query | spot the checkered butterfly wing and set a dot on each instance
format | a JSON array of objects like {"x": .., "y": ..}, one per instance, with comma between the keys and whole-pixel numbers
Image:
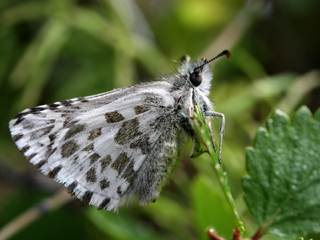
[{"x": 108, "y": 149}]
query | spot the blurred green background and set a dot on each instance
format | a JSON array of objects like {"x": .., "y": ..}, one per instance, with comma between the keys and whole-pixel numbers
[{"x": 52, "y": 50}]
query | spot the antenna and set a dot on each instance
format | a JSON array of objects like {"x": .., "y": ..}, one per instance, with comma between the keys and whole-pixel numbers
[{"x": 223, "y": 53}]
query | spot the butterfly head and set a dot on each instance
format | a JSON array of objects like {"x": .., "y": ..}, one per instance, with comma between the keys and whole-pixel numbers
[{"x": 198, "y": 73}]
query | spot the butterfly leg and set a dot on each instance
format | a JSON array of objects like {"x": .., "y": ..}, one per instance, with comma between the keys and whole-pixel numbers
[
  {"x": 190, "y": 109},
  {"x": 193, "y": 138},
  {"x": 196, "y": 149},
  {"x": 211, "y": 135},
  {"x": 221, "y": 115}
]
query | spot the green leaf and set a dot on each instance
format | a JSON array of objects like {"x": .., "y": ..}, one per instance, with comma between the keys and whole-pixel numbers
[{"x": 283, "y": 189}]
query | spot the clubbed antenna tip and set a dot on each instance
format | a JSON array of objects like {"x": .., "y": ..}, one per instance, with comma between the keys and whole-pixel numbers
[
  {"x": 223, "y": 53},
  {"x": 227, "y": 53}
]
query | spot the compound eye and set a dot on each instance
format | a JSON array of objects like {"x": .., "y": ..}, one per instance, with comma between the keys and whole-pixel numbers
[{"x": 195, "y": 79}]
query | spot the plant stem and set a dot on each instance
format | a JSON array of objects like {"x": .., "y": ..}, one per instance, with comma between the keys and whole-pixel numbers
[
  {"x": 32, "y": 214},
  {"x": 204, "y": 134},
  {"x": 258, "y": 234}
]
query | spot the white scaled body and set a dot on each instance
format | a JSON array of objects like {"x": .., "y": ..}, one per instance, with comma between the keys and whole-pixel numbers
[{"x": 113, "y": 148}]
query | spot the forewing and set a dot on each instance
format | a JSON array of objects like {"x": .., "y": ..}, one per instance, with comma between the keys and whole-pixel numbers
[{"x": 97, "y": 146}]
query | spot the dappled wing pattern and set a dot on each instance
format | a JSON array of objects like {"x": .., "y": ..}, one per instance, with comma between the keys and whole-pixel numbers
[{"x": 101, "y": 147}]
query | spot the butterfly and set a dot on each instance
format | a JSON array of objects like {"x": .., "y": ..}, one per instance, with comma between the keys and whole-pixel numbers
[{"x": 118, "y": 147}]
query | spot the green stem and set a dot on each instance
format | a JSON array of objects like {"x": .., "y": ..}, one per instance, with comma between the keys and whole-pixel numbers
[{"x": 204, "y": 134}]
